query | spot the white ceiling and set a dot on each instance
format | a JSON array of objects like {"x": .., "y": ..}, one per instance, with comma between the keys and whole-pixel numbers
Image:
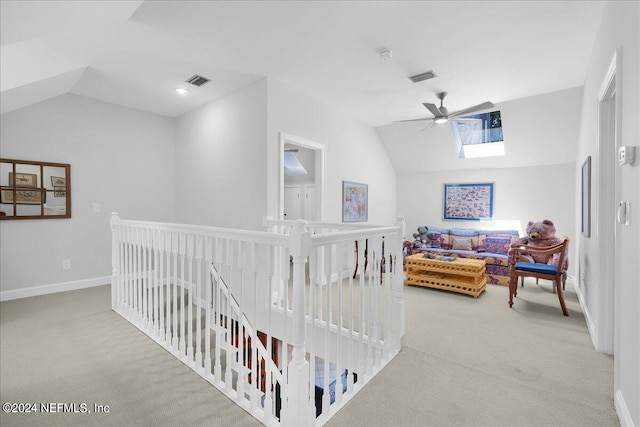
[{"x": 135, "y": 53}]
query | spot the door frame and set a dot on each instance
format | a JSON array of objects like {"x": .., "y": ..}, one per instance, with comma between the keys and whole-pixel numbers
[
  {"x": 286, "y": 138},
  {"x": 609, "y": 135}
]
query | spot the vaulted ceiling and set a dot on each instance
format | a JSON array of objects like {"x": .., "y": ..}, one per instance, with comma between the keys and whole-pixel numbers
[{"x": 136, "y": 53}]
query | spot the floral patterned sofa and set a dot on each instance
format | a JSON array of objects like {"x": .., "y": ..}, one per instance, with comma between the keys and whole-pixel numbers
[{"x": 492, "y": 246}]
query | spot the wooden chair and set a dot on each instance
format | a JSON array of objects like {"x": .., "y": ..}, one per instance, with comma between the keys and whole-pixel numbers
[{"x": 540, "y": 271}]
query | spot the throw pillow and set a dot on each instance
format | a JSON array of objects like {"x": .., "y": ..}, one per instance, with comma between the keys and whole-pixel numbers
[
  {"x": 462, "y": 243},
  {"x": 497, "y": 245},
  {"x": 436, "y": 240}
]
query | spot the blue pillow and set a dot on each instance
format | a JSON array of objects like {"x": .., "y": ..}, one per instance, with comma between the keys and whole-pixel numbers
[{"x": 497, "y": 245}]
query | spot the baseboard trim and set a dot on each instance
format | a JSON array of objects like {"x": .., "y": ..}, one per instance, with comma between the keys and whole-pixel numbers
[
  {"x": 591, "y": 326},
  {"x": 53, "y": 288},
  {"x": 622, "y": 410}
]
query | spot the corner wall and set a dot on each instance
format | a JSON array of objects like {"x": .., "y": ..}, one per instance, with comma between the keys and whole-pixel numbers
[
  {"x": 120, "y": 158},
  {"x": 619, "y": 29},
  {"x": 221, "y": 173}
]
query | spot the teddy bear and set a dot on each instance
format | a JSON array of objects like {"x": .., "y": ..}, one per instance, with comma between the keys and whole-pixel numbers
[
  {"x": 422, "y": 239},
  {"x": 541, "y": 235}
]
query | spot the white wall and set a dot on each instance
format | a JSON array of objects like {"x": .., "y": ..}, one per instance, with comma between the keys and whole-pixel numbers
[
  {"x": 619, "y": 29},
  {"x": 353, "y": 153},
  {"x": 520, "y": 194},
  {"x": 120, "y": 157},
  {"x": 221, "y": 173}
]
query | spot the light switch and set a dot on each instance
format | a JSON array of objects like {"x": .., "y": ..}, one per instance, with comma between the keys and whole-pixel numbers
[{"x": 96, "y": 207}]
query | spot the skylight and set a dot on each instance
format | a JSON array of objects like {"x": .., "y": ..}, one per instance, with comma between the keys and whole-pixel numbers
[
  {"x": 292, "y": 165},
  {"x": 480, "y": 135}
]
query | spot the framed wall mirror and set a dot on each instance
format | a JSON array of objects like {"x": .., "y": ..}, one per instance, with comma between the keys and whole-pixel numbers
[{"x": 34, "y": 190}]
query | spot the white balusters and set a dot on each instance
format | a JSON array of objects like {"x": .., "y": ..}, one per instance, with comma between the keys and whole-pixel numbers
[
  {"x": 208, "y": 254},
  {"x": 174, "y": 298},
  {"x": 178, "y": 282}
]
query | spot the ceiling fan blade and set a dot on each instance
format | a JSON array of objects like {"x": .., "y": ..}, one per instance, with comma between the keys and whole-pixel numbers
[
  {"x": 412, "y": 120},
  {"x": 434, "y": 110},
  {"x": 429, "y": 126},
  {"x": 479, "y": 107},
  {"x": 463, "y": 119}
]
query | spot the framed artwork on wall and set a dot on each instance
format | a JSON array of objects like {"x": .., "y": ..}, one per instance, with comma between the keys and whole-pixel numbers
[
  {"x": 58, "y": 181},
  {"x": 25, "y": 192},
  {"x": 24, "y": 179},
  {"x": 468, "y": 202},
  {"x": 23, "y": 196},
  {"x": 355, "y": 202},
  {"x": 586, "y": 197}
]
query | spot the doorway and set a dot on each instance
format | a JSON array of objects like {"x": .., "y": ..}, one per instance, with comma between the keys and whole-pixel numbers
[{"x": 302, "y": 195}]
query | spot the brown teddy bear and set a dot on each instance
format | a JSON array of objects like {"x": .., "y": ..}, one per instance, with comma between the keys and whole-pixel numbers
[{"x": 541, "y": 235}]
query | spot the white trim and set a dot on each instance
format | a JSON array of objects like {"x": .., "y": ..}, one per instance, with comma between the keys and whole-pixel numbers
[
  {"x": 624, "y": 416},
  {"x": 591, "y": 326},
  {"x": 604, "y": 308},
  {"x": 34, "y": 291}
]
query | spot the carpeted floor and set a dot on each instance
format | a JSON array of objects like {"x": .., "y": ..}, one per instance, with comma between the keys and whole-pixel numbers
[{"x": 464, "y": 362}]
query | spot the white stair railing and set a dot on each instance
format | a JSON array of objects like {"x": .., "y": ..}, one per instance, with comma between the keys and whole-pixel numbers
[{"x": 277, "y": 320}]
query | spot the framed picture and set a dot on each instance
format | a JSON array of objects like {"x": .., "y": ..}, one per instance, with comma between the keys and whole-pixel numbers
[
  {"x": 24, "y": 179},
  {"x": 58, "y": 181},
  {"x": 355, "y": 202},
  {"x": 586, "y": 197},
  {"x": 24, "y": 196},
  {"x": 469, "y": 202},
  {"x": 60, "y": 192}
]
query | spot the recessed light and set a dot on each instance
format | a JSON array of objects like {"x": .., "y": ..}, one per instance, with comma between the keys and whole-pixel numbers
[{"x": 182, "y": 91}]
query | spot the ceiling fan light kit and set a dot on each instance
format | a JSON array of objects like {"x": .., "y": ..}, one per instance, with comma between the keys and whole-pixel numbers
[{"x": 441, "y": 114}]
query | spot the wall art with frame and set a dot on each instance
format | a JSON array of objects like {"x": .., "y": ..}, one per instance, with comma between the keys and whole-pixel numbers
[
  {"x": 355, "y": 202},
  {"x": 586, "y": 197},
  {"x": 468, "y": 202}
]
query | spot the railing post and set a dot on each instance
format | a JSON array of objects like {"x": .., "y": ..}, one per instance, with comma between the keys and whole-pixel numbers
[
  {"x": 298, "y": 410},
  {"x": 115, "y": 261},
  {"x": 397, "y": 325}
]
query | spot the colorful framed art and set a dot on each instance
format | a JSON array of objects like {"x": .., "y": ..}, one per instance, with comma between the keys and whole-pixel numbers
[{"x": 468, "y": 202}]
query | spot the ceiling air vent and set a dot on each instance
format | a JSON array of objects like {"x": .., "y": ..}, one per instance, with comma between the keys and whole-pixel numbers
[
  {"x": 424, "y": 76},
  {"x": 197, "y": 80}
]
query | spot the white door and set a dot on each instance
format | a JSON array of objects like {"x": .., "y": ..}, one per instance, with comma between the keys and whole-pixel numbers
[
  {"x": 310, "y": 198},
  {"x": 292, "y": 202}
]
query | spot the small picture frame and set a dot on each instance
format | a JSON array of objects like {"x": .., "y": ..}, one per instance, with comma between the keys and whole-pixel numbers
[
  {"x": 355, "y": 202},
  {"x": 59, "y": 192},
  {"x": 23, "y": 179},
  {"x": 58, "y": 181},
  {"x": 586, "y": 197},
  {"x": 23, "y": 196}
]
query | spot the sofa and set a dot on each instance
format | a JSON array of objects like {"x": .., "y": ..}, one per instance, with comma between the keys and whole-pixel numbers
[{"x": 492, "y": 246}]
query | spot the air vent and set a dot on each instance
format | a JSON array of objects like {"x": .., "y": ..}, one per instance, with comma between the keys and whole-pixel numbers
[
  {"x": 424, "y": 76},
  {"x": 197, "y": 80}
]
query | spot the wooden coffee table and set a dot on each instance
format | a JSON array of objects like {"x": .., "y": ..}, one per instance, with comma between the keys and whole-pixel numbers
[{"x": 462, "y": 275}]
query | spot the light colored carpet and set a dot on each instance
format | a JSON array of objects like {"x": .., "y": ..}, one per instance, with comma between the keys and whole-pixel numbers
[{"x": 464, "y": 362}]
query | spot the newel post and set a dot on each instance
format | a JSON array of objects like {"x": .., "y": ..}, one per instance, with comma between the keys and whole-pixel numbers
[
  {"x": 298, "y": 410},
  {"x": 115, "y": 257}
]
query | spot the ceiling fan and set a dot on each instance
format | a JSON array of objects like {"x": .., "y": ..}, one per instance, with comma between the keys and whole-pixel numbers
[{"x": 441, "y": 115}]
